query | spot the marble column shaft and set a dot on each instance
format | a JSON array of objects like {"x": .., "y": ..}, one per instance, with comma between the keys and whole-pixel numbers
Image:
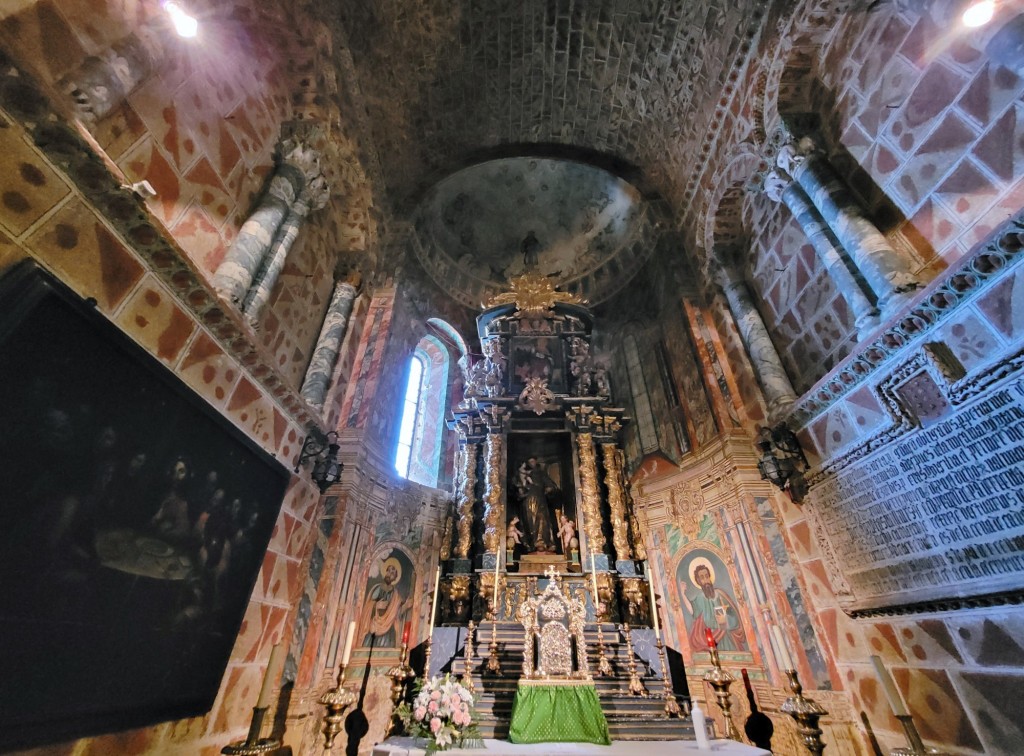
[
  {"x": 596, "y": 542},
  {"x": 613, "y": 482},
  {"x": 494, "y": 512},
  {"x": 882, "y": 267},
  {"x": 464, "y": 503},
  {"x": 775, "y": 383},
  {"x": 312, "y": 197},
  {"x": 328, "y": 345},
  {"x": 864, "y": 312}
]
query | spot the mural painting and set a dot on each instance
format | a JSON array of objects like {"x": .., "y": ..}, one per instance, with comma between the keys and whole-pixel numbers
[
  {"x": 709, "y": 602},
  {"x": 388, "y": 601}
]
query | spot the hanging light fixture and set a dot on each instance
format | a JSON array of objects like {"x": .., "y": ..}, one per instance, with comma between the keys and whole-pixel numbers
[
  {"x": 782, "y": 461},
  {"x": 184, "y": 24},
  {"x": 324, "y": 451}
]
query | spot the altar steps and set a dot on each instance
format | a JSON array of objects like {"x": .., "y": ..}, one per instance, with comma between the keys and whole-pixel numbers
[{"x": 629, "y": 717}]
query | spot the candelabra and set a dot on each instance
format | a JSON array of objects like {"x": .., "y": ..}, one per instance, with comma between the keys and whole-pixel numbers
[
  {"x": 720, "y": 680},
  {"x": 805, "y": 713},
  {"x": 604, "y": 668},
  {"x": 426, "y": 659},
  {"x": 493, "y": 665},
  {"x": 635, "y": 686},
  {"x": 400, "y": 675},
  {"x": 915, "y": 746},
  {"x": 253, "y": 745},
  {"x": 336, "y": 700},
  {"x": 467, "y": 675},
  {"x": 671, "y": 704}
]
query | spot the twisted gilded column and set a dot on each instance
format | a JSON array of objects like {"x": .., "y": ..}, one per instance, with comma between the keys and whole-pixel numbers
[
  {"x": 328, "y": 345},
  {"x": 616, "y": 502},
  {"x": 591, "y": 496},
  {"x": 883, "y": 268},
  {"x": 234, "y": 276},
  {"x": 494, "y": 518},
  {"x": 464, "y": 503},
  {"x": 780, "y": 187},
  {"x": 775, "y": 383},
  {"x": 312, "y": 197}
]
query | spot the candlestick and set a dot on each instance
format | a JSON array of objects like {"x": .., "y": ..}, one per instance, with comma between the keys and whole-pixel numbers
[
  {"x": 336, "y": 700},
  {"x": 720, "y": 680},
  {"x": 635, "y": 686},
  {"x": 710, "y": 637},
  {"x": 805, "y": 712},
  {"x": 785, "y": 660},
  {"x": 347, "y": 653},
  {"x": 270, "y": 678},
  {"x": 671, "y": 705},
  {"x": 654, "y": 602},
  {"x": 889, "y": 688}
]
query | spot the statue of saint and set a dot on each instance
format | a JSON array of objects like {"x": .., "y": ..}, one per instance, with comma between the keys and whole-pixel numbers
[{"x": 534, "y": 486}]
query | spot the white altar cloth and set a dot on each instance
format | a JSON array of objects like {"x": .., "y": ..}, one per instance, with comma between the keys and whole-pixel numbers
[{"x": 407, "y": 747}]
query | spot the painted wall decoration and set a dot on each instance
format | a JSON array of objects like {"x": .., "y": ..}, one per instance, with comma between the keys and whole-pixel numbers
[
  {"x": 709, "y": 601},
  {"x": 135, "y": 522},
  {"x": 388, "y": 602}
]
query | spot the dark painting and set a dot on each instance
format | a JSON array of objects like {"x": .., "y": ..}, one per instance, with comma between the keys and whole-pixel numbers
[
  {"x": 135, "y": 520},
  {"x": 540, "y": 490}
]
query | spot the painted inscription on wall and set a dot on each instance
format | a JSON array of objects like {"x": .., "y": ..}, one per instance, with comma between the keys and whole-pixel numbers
[{"x": 937, "y": 514}]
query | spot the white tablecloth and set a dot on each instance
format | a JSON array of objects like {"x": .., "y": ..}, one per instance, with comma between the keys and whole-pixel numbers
[{"x": 407, "y": 747}]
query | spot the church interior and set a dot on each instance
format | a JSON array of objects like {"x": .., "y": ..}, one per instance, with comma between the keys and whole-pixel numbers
[{"x": 350, "y": 332}]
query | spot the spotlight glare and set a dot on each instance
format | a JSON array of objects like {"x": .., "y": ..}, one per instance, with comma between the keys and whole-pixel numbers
[
  {"x": 184, "y": 24},
  {"x": 979, "y": 13}
]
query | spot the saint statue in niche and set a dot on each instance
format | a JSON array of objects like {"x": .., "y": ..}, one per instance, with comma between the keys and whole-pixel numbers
[{"x": 535, "y": 489}]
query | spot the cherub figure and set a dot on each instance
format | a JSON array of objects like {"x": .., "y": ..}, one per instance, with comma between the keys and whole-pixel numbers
[
  {"x": 514, "y": 534},
  {"x": 567, "y": 534}
]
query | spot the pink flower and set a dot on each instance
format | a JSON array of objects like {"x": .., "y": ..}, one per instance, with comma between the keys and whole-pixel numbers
[
  {"x": 420, "y": 713},
  {"x": 432, "y": 707},
  {"x": 435, "y": 695},
  {"x": 435, "y": 725}
]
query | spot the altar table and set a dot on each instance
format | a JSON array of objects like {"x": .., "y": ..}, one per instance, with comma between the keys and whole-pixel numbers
[
  {"x": 557, "y": 711},
  {"x": 409, "y": 747}
]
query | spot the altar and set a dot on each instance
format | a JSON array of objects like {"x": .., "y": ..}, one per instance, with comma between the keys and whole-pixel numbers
[
  {"x": 558, "y": 711},
  {"x": 409, "y": 747}
]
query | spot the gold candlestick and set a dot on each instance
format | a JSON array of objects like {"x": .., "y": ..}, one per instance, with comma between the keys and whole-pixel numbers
[
  {"x": 720, "y": 680},
  {"x": 400, "y": 674},
  {"x": 671, "y": 704},
  {"x": 336, "y": 700},
  {"x": 253, "y": 745},
  {"x": 604, "y": 668},
  {"x": 493, "y": 665},
  {"x": 805, "y": 713},
  {"x": 426, "y": 660},
  {"x": 635, "y": 686},
  {"x": 467, "y": 675}
]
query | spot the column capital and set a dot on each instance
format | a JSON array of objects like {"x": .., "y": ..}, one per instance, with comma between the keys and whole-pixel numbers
[
  {"x": 297, "y": 153},
  {"x": 776, "y": 181},
  {"x": 729, "y": 277},
  {"x": 313, "y": 196},
  {"x": 794, "y": 153}
]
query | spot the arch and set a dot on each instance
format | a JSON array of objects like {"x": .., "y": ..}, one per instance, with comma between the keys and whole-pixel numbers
[
  {"x": 421, "y": 435},
  {"x": 723, "y": 223},
  {"x": 448, "y": 332}
]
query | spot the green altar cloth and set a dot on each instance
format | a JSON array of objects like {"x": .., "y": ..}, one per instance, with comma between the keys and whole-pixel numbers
[{"x": 557, "y": 712}]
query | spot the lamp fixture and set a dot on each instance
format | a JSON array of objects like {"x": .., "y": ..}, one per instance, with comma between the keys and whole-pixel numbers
[
  {"x": 978, "y": 13},
  {"x": 782, "y": 461},
  {"x": 324, "y": 451},
  {"x": 186, "y": 25}
]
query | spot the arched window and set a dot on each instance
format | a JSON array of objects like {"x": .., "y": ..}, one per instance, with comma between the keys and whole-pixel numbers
[{"x": 410, "y": 411}]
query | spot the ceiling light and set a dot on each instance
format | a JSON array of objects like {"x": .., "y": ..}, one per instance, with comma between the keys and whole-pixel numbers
[
  {"x": 184, "y": 24},
  {"x": 979, "y": 13}
]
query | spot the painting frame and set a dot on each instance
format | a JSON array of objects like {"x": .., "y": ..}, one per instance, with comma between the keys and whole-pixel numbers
[{"x": 137, "y": 519}]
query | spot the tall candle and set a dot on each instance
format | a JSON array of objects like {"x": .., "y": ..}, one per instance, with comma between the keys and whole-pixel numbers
[
  {"x": 654, "y": 603},
  {"x": 347, "y": 653},
  {"x": 405, "y": 632},
  {"x": 593, "y": 578},
  {"x": 497, "y": 562},
  {"x": 889, "y": 687},
  {"x": 270, "y": 678},
  {"x": 710, "y": 638},
  {"x": 785, "y": 660},
  {"x": 433, "y": 603}
]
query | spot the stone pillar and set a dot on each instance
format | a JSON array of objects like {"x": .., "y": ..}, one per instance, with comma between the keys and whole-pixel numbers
[
  {"x": 465, "y": 486},
  {"x": 332, "y": 334},
  {"x": 616, "y": 503},
  {"x": 494, "y": 512},
  {"x": 775, "y": 383},
  {"x": 780, "y": 187},
  {"x": 235, "y": 275},
  {"x": 884, "y": 269},
  {"x": 313, "y": 196},
  {"x": 591, "y": 497}
]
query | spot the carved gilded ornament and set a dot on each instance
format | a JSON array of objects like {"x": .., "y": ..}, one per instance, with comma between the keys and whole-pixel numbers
[
  {"x": 493, "y": 510},
  {"x": 616, "y": 502},
  {"x": 486, "y": 592},
  {"x": 466, "y": 486},
  {"x": 537, "y": 396},
  {"x": 446, "y": 539},
  {"x": 686, "y": 508},
  {"x": 533, "y": 295},
  {"x": 590, "y": 494},
  {"x": 554, "y": 618}
]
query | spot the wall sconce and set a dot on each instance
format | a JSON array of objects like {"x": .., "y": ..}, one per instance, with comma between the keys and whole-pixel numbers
[
  {"x": 782, "y": 461},
  {"x": 324, "y": 450}
]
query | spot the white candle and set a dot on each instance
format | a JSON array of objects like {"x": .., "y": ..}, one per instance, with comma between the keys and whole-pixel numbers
[
  {"x": 593, "y": 578},
  {"x": 889, "y": 687},
  {"x": 497, "y": 562},
  {"x": 347, "y": 653},
  {"x": 654, "y": 602},
  {"x": 433, "y": 604},
  {"x": 785, "y": 660},
  {"x": 274, "y": 668}
]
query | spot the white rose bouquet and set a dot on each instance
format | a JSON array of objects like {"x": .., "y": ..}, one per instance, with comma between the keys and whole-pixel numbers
[{"x": 442, "y": 713}]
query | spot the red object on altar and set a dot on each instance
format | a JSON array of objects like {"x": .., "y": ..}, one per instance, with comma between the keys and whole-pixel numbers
[
  {"x": 711, "y": 638},
  {"x": 405, "y": 633}
]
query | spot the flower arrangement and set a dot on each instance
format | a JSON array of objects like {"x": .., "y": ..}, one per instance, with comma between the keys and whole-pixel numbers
[{"x": 442, "y": 713}]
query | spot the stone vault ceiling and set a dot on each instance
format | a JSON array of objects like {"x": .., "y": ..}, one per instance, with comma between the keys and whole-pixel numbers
[{"x": 447, "y": 83}]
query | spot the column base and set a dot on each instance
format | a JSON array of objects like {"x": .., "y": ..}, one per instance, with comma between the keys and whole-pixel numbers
[
  {"x": 488, "y": 561},
  {"x": 461, "y": 566},
  {"x": 626, "y": 567},
  {"x": 601, "y": 562}
]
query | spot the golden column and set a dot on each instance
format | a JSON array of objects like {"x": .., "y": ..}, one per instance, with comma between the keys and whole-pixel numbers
[
  {"x": 467, "y": 483},
  {"x": 616, "y": 501},
  {"x": 493, "y": 515},
  {"x": 591, "y": 496}
]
